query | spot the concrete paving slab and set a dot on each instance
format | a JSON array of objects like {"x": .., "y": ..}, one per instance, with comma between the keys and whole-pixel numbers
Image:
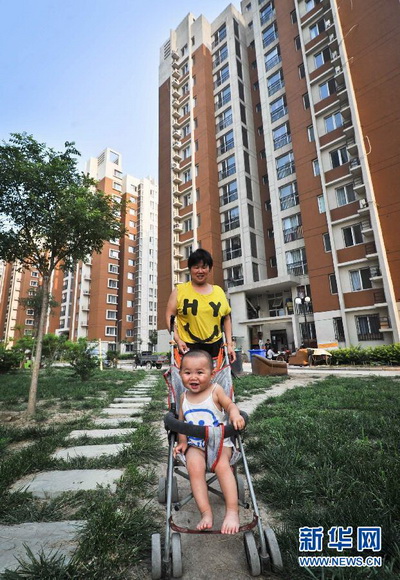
[
  {"x": 90, "y": 451},
  {"x": 46, "y": 537},
  {"x": 114, "y": 421},
  {"x": 48, "y": 484},
  {"x": 137, "y": 405},
  {"x": 132, "y": 400},
  {"x": 122, "y": 412},
  {"x": 100, "y": 433}
]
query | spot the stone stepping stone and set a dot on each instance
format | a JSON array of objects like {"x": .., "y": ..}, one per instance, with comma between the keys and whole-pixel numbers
[
  {"x": 122, "y": 412},
  {"x": 100, "y": 433},
  {"x": 46, "y": 537},
  {"x": 49, "y": 484},
  {"x": 136, "y": 405},
  {"x": 90, "y": 451},
  {"x": 131, "y": 400},
  {"x": 113, "y": 421}
]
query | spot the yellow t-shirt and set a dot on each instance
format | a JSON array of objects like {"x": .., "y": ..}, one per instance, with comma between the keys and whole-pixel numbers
[{"x": 199, "y": 315}]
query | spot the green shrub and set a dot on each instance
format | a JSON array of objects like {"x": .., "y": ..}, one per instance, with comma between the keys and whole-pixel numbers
[
  {"x": 9, "y": 359},
  {"x": 79, "y": 356},
  {"x": 386, "y": 354}
]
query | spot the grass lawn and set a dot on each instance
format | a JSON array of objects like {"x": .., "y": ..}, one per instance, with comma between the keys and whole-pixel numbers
[
  {"x": 116, "y": 538},
  {"x": 328, "y": 455}
]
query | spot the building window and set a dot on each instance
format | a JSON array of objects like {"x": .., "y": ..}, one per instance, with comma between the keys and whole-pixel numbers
[
  {"x": 317, "y": 28},
  {"x": 234, "y": 276},
  {"x": 345, "y": 194},
  {"x": 269, "y": 35},
  {"x": 293, "y": 16},
  {"x": 333, "y": 121},
  {"x": 310, "y": 133},
  {"x": 275, "y": 82},
  {"x": 112, "y": 283},
  {"x": 35, "y": 274},
  {"x": 28, "y": 322},
  {"x": 229, "y": 193},
  {"x": 187, "y": 176},
  {"x": 111, "y": 331},
  {"x": 111, "y": 314},
  {"x": 360, "y": 279},
  {"x": 339, "y": 157},
  {"x": 292, "y": 228},
  {"x": 296, "y": 262},
  {"x": 338, "y": 329},
  {"x": 281, "y": 136},
  {"x": 285, "y": 165},
  {"x": 327, "y": 88},
  {"x": 315, "y": 166},
  {"x": 129, "y": 289},
  {"x": 113, "y": 254},
  {"x": 321, "y": 204},
  {"x": 231, "y": 220},
  {"x": 112, "y": 299},
  {"x": 272, "y": 58},
  {"x": 352, "y": 235},
  {"x": 302, "y": 71},
  {"x": 333, "y": 284},
  {"x": 33, "y": 283},
  {"x": 187, "y": 225},
  {"x": 186, "y": 130},
  {"x": 288, "y": 195},
  {"x": 113, "y": 268},
  {"x": 327, "y": 242},
  {"x": 368, "y": 327},
  {"x": 297, "y": 43},
  {"x": 129, "y": 303},
  {"x": 31, "y": 312},
  {"x": 186, "y": 152},
  {"x": 187, "y": 199},
  {"x": 322, "y": 57},
  {"x": 306, "y": 101},
  {"x": 278, "y": 108}
]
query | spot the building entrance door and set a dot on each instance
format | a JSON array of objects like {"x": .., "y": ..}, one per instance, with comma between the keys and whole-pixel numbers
[{"x": 279, "y": 339}]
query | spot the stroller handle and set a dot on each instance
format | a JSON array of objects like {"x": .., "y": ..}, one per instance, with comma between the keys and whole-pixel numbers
[
  {"x": 171, "y": 323},
  {"x": 173, "y": 424}
]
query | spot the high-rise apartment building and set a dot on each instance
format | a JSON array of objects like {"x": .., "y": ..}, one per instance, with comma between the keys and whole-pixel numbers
[
  {"x": 113, "y": 296},
  {"x": 280, "y": 153}
]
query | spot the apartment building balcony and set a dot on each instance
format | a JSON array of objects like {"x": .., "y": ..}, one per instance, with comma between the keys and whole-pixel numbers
[
  {"x": 289, "y": 201},
  {"x": 177, "y": 179},
  {"x": 221, "y": 37},
  {"x": 228, "y": 198},
  {"x": 231, "y": 254},
  {"x": 175, "y": 93},
  {"x": 339, "y": 75},
  {"x": 176, "y": 156},
  {"x": 375, "y": 274},
  {"x": 359, "y": 187},
  {"x": 221, "y": 102},
  {"x": 275, "y": 87},
  {"x": 176, "y": 215},
  {"x": 379, "y": 297},
  {"x": 176, "y": 134},
  {"x": 273, "y": 62},
  {"x": 176, "y": 113},
  {"x": 220, "y": 59},
  {"x": 279, "y": 113},
  {"x": 267, "y": 17},
  {"x": 175, "y": 82},
  {"x": 224, "y": 173},
  {"x": 366, "y": 229},
  {"x": 175, "y": 72},
  {"x": 282, "y": 141},
  {"x": 230, "y": 225},
  {"x": 221, "y": 80},
  {"x": 292, "y": 234},
  {"x": 224, "y": 123},
  {"x": 177, "y": 202},
  {"x": 178, "y": 227},
  {"x": 178, "y": 254},
  {"x": 355, "y": 166},
  {"x": 370, "y": 250},
  {"x": 285, "y": 170},
  {"x": 348, "y": 127},
  {"x": 232, "y": 282},
  {"x": 176, "y": 125},
  {"x": 351, "y": 145},
  {"x": 177, "y": 145},
  {"x": 225, "y": 147},
  {"x": 297, "y": 268},
  {"x": 267, "y": 40},
  {"x": 175, "y": 56},
  {"x": 385, "y": 324}
]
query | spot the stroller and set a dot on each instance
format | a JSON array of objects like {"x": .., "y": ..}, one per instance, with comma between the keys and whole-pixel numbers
[{"x": 261, "y": 548}]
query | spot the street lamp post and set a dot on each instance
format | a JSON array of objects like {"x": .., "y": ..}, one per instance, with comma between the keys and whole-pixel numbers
[{"x": 305, "y": 301}]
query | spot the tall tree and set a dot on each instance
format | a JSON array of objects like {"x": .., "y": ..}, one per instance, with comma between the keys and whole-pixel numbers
[{"x": 51, "y": 216}]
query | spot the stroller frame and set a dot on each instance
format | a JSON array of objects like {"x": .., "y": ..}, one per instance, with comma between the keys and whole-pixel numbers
[{"x": 167, "y": 563}]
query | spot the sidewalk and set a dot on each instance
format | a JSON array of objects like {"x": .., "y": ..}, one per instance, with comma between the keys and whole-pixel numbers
[{"x": 335, "y": 370}]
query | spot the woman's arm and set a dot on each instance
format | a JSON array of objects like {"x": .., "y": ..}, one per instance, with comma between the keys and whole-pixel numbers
[
  {"x": 228, "y": 336},
  {"x": 171, "y": 308}
]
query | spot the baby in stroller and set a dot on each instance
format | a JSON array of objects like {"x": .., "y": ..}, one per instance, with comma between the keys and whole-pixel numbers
[{"x": 204, "y": 403}]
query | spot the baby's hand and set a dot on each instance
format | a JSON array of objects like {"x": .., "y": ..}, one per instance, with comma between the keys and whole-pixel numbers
[
  {"x": 180, "y": 448},
  {"x": 237, "y": 421}
]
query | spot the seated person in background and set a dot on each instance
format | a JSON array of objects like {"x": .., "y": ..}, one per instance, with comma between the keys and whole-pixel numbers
[{"x": 270, "y": 353}]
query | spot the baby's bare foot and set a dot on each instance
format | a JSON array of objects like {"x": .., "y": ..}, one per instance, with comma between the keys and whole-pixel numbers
[
  {"x": 230, "y": 524},
  {"x": 206, "y": 521}
]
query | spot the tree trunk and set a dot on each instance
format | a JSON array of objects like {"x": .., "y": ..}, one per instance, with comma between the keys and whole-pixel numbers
[{"x": 39, "y": 344}]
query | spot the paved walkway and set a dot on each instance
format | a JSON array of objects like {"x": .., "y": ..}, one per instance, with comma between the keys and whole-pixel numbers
[{"x": 51, "y": 537}]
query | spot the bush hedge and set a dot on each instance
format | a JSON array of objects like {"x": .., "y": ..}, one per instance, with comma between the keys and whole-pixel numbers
[{"x": 387, "y": 354}]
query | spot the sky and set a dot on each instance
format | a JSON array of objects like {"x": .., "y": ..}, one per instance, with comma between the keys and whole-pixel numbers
[{"x": 87, "y": 71}]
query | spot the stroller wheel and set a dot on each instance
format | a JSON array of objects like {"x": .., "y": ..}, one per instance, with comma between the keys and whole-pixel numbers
[
  {"x": 240, "y": 488},
  {"x": 252, "y": 557},
  {"x": 176, "y": 555},
  {"x": 273, "y": 549},
  {"x": 162, "y": 490},
  {"x": 156, "y": 563}
]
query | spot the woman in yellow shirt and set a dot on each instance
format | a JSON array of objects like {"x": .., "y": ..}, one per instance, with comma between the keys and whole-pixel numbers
[{"x": 198, "y": 308}]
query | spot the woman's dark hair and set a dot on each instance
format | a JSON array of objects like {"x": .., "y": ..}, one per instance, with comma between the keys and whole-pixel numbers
[{"x": 198, "y": 256}]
